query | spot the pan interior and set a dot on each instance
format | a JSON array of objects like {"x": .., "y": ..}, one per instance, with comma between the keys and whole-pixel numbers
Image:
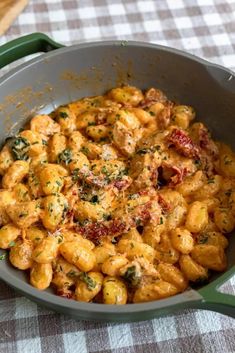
[{"x": 71, "y": 73}]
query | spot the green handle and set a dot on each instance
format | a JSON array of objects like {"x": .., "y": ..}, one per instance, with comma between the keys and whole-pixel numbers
[
  {"x": 30, "y": 44},
  {"x": 217, "y": 301}
]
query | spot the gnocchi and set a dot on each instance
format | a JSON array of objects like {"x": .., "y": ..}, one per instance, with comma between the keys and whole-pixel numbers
[{"x": 117, "y": 199}]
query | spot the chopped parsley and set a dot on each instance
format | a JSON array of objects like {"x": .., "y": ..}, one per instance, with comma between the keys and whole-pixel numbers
[
  {"x": 114, "y": 240},
  {"x": 105, "y": 171},
  {"x": 65, "y": 156},
  {"x": 131, "y": 277},
  {"x": 133, "y": 196},
  {"x": 60, "y": 239},
  {"x": 203, "y": 239},
  {"x": 94, "y": 199},
  {"x": 11, "y": 244},
  {"x": 107, "y": 217},
  {"x": 19, "y": 148},
  {"x": 65, "y": 210},
  {"x": 50, "y": 207},
  {"x": 72, "y": 274},
  {"x": 138, "y": 222},
  {"x": 103, "y": 139},
  {"x": 85, "y": 150},
  {"x": 63, "y": 115},
  {"x": 88, "y": 280},
  {"x": 143, "y": 151},
  {"x": 23, "y": 214},
  {"x": 149, "y": 149},
  {"x": 122, "y": 173},
  {"x": 75, "y": 175},
  {"x": 95, "y": 103}
]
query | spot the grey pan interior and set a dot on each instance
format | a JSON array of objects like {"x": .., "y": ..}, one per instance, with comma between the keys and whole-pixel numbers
[{"x": 90, "y": 69}]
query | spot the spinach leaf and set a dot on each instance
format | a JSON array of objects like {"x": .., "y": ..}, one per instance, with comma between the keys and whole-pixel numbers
[
  {"x": 88, "y": 280},
  {"x": 19, "y": 148},
  {"x": 65, "y": 156}
]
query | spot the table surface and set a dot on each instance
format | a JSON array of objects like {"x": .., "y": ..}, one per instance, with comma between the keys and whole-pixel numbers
[{"x": 203, "y": 27}]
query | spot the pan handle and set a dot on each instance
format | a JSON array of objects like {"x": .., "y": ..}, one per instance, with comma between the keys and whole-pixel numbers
[
  {"x": 29, "y": 44},
  {"x": 215, "y": 300}
]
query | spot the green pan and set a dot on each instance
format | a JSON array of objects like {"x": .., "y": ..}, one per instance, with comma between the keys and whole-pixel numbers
[{"x": 65, "y": 74}]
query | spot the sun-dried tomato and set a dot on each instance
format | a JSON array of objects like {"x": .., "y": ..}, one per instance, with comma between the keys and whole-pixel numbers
[
  {"x": 206, "y": 142},
  {"x": 164, "y": 117},
  {"x": 184, "y": 144},
  {"x": 97, "y": 230},
  {"x": 179, "y": 176},
  {"x": 65, "y": 293},
  {"x": 121, "y": 184},
  {"x": 165, "y": 206}
]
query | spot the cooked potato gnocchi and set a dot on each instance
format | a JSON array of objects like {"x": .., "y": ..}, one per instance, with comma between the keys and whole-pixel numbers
[{"x": 117, "y": 199}]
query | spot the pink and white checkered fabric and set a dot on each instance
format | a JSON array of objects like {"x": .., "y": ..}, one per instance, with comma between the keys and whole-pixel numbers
[{"x": 203, "y": 27}]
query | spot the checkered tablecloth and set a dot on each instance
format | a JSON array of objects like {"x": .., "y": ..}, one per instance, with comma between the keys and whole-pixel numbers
[{"x": 203, "y": 27}]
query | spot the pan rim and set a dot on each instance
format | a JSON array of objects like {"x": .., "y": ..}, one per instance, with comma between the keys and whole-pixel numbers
[{"x": 116, "y": 43}]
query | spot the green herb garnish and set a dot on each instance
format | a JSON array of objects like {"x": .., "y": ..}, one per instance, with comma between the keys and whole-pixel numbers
[
  {"x": 149, "y": 149},
  {"x": 131, "y": 277},
  {"x": 63, "y": 115},
  {"x": 19, "y": 148},
  {"x": 105, "y": 171},
  {"x": 72, "y": 274},
  {"x": 85, "y": 150},
  {"x": 94, "y": 199},
  {"x": 122, "y": 173},
  {"x": 23, "y": 214},
  {"x": 75, "y": 175},
  {"x": 65, "y": 156},
  {"x": 203, "y": 239},
  {"x": 88, "y": 280},
  {"x": 60, "y": 239},
  {"x": 107, "y": 217}
]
